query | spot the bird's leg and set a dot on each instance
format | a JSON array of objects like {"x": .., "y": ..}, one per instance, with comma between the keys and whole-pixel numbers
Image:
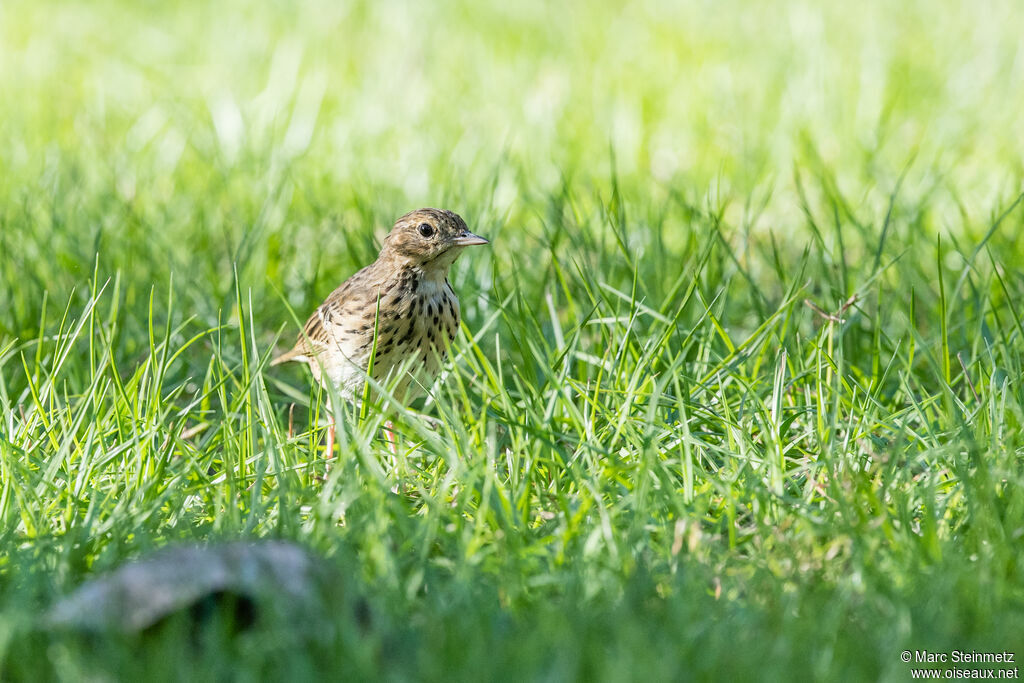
[
  {"x": 329, "y": 448},
  {"x": 389, "y": 436}
]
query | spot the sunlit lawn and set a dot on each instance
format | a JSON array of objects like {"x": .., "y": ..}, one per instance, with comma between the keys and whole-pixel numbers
[{"x": 738, "y": 391}]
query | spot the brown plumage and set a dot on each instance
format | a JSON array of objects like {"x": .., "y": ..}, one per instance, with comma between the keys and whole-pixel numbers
[{"x": 399, "y": 307}]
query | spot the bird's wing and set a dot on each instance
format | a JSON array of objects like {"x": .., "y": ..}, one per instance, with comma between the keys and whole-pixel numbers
[
  {"x": 313, "y": 339},
  {"x": 319, "y": 331}
]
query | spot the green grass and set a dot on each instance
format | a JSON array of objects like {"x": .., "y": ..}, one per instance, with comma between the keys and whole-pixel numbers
[{"x": 738, "y": 393}]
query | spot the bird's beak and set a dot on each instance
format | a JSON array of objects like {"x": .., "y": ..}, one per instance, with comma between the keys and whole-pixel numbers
[{"x": 468, "y": 239}]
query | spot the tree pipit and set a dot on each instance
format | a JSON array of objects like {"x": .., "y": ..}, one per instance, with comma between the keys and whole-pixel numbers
[{"x": 399, "y": 307}]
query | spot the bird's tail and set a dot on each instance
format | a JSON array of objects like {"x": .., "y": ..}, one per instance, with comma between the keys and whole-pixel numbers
[{"x": 294, "y": 354}]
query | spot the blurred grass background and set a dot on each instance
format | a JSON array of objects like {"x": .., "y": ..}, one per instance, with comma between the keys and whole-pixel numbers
[
  {"x": 660, "y": 462},
  {"x": 275, "y": 131}
]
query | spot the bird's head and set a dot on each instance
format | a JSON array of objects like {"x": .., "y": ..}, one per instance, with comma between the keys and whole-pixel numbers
[{"x": 429, "y": 238}]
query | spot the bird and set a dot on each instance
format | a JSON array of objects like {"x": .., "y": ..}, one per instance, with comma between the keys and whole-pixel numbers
[{"x": 400, "y": 307}]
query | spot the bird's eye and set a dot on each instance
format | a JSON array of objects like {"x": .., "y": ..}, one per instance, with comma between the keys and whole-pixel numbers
[{"x": 426, "y": 229}]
